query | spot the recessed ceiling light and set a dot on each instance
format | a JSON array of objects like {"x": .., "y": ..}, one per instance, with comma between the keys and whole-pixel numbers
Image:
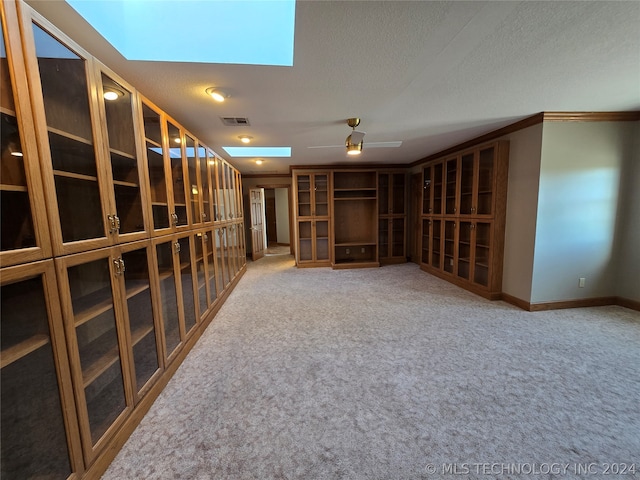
[
  {"x": 258, "y": 162},
  {"x": 245, "y": 138},
  {"x": 217, "y": 94}
]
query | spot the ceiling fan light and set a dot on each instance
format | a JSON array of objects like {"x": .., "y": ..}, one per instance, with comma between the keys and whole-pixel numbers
[{"x": 354, "y": 148}]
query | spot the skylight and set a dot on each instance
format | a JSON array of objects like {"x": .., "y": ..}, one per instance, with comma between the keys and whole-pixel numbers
[
  {"x": 258, "y": 151},
  {"x": 256, "y": 32}
]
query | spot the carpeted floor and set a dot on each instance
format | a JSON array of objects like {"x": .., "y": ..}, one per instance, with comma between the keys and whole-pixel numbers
[{"x": 392, "y": 373}]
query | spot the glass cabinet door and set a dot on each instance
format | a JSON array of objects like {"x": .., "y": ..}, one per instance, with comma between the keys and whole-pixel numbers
[
  {"x": 220, "y": 259},
  {"x": 229, "y": 189},
  {"x": 383, "y": 237},
  {"x": 397, "y": 194},
  {"x": 139, "y": 308},
  {"x": 303, "y": 185},
  {"x": 485, "y": 180},
  {"x": 397, "y": 237},
  {"x": 320, "y": 195},
  {"x": 118, "y": 107},
  {"x": 383, "y": 196},
  {"x": 449, "y": 245},
  {"x": 100, "y": 381},
  {"x": 186, "y": 279},
  {"x": 482, "y": 250},
  {"x": 24, "y": 223},
  {"x": 168, "y": 296},
  {"x": 426, "y": 242},
  {"x": 321, "y": 237},
  {"x": 210, "y": 265},
  {"x": 436, "y": 236},
  {"x": 155, "y": 163},
  {"x": 467, "y": 169},
  {"x": 437, "y": 188},
  {"x": 426, "y": 191},
  {"x": 201, "y": 272},
  {"x": 193, "y": 188},
  {"x": 221, "y": 189},
  {"x": 305, "y": 241},
  {"x": 205, "y": 159},
  {"x": 178, "y": 177},
  {"x": 464, "y": 249},
  {"x": 65, "y": 94},
  {"x": 451, "y": 185},
  {"x": 33, "y": 440}
]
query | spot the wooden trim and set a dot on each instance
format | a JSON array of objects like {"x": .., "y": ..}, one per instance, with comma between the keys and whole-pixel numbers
[
  {"x": 115, "y": 444},
  {"x": 523, "y": 304},
  {"x": 632, "y": 116},
  {"x": 628, "y": 303},
  {"x": 577, "y": 303},
  {"x": 266, "y": 175},
  {"x": 339, "y": 166},
  {"x": 487, "y": 137}
]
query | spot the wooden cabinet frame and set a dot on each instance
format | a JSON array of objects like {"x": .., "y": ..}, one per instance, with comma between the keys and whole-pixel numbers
[
  {"x": 444, "y": 253},
  {"x": 311, "y": 216}
]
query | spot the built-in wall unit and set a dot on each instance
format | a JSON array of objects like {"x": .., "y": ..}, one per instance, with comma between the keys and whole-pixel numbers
[{"x": 122, "y": 235}]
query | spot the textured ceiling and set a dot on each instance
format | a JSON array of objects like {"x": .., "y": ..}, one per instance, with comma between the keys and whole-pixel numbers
[{"x": 432, "y": 74}]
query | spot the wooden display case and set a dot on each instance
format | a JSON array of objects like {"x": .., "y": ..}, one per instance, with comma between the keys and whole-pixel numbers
[
  {"x": 312, "y": 219},
  {"x": 463, "y": 235},
  {"x": 392, "y": 217},
  {"x": 24, "y": 235}
]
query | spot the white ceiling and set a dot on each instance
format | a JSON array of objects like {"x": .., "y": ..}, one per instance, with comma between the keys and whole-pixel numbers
[{"x": 432, "y": 74}]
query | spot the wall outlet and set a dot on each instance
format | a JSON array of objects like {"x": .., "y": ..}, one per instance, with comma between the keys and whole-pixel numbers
[{"x": 581, "y": 282}]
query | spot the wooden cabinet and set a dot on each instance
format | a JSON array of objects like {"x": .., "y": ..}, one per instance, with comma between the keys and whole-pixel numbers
[
  {"x": 463, "y": 217},
  {"x": 355, "y": 219},
  {"x": 40, "y": 436},
  {"x": 312, "y": 207},
  {"x": 24, "y": 235},
  {"x": 391, "y": 217},
  {"x": 121, "y": 238}
]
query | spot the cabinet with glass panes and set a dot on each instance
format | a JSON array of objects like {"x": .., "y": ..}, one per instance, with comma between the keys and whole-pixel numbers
[
  {"x": 312, "y": 202},
  {"x": 40, "y": 436},
  {"x": 391, "y": 217},
  {"x": 24, "y": 235},
  {"x": 464, "y": 240},
  {"x": 90, "y": 170}
]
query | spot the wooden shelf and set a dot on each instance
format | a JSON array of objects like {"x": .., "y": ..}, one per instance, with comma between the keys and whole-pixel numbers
[
  {"x": 70, "y": 136},
  {"x": 355, "y": 244},
  {"x": 122, "y": 154},
  {"x": 126, "y": 184},
  {"x": 12, "y": 188},
  {"x": 100, "y": 365},
  {"x": 134, "y": 289},
  {"x": 155, "y": 144},
  {"x": 76, "y": 176},
  {"x": 92, "y": 305},
  {"x": 16, "y": 352},
  {"x": 338, "y": 199},
  {"x": 140, "y": 333},
  {"x": 7, "y": 111}
]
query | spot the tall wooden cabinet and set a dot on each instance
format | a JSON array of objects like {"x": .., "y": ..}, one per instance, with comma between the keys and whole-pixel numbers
[
  {"x": 121, "y": 238},
  {"x": 463, "y": 217},
  {"x": 312, "y": 205},
  {"x": 392, "y": 217}
]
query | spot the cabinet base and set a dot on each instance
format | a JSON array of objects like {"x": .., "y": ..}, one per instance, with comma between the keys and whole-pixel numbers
[{"x": 483, "y": 292}]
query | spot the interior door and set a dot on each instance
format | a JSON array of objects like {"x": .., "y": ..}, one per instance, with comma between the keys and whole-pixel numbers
[{"x": 257, "y": 226}]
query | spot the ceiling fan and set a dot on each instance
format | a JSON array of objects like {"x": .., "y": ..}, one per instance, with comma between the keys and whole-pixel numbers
[{"x": 355, "y": 140}]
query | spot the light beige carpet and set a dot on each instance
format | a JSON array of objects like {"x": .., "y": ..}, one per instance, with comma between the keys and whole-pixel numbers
[{"x": 391, "y": 373}]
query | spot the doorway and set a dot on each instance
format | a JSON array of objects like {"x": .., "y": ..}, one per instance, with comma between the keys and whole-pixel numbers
[{"x": 277, "y": 218}]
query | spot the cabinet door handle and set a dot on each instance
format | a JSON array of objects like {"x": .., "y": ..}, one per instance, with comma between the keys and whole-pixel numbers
[
  {"x": 205, "y": 237},
  {"x": 112, "y": 223},
  {"x": 174, "y": 217},
  {"x": 117, "y": 219},
  {"x": 204, "y": 217},
  {"x": 118, "y": 266},
  {"x": 121, "y": 262},
  {"x": 177, "y": 246}
]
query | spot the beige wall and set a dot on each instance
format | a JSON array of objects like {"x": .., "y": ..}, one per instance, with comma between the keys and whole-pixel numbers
[
  {"x": 580, "y": 173},
  {"x": 522, "y": 203}
]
